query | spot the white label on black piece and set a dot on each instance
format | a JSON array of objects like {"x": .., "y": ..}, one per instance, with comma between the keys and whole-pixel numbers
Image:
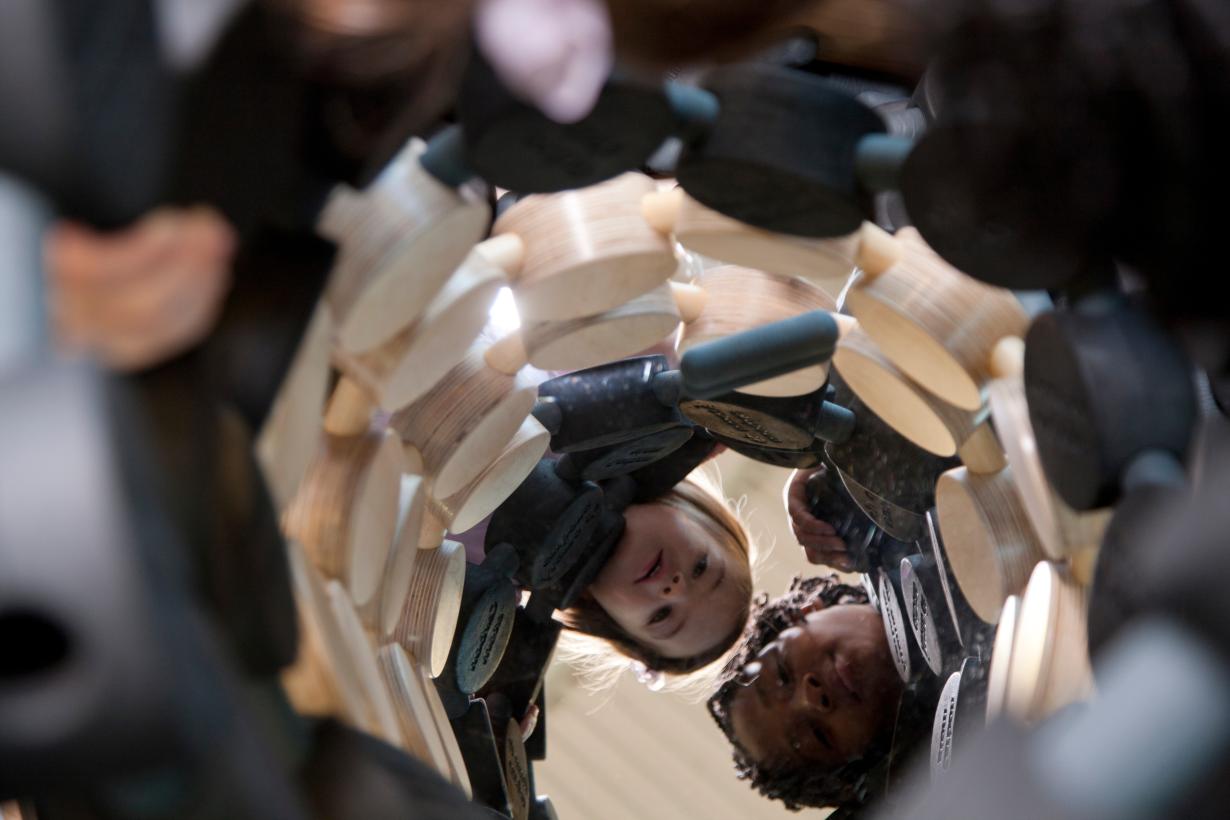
[
  {"x": 922, "y": 621},
  {"x": 894, "y": 628},
  {"x": 944, "y": 729}
]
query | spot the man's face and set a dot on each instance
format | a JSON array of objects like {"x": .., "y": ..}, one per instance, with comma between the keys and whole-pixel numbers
[{"x": 822, "y": 691}]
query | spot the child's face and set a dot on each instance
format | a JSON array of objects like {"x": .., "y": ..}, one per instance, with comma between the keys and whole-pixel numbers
[
  {"x": 670, "y": 585},
  {"x": 822, "y": 692}
]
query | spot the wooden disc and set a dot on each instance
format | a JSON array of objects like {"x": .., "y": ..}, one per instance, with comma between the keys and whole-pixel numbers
[
  {"x": 457, "y": 764},
  {"x": 400, "y": 567},
  {"x": 517, "y": 772},
  {"x": 1001, "y": 658},
  {"x": 936, "y": 324},
  {"x": 418, "y": 725},
  {"x": 414, "y": 360},
  {"x": 466, "y": 509},
  {"x": 463, "y": 425},
  {"x": 586, "y": 251},
  {"x": 400, "y": 241},
  {"x": 381, "y": 717},
  {"x": 345, "y": 513},
  {"x": 924, "y": 419},
  {"x": 623, "y": 331},
  {"x": 428, "y": 618},
  {"x": 826, "y": 263},
  {"x": 1061, "y": 530},
  {"x": 991, "y": 546},
  {"x": 1050, "y": 658},
  {"x": 739, "y": 299},
  {"x": 291, "y": 433},
  {"x": 321, "y": 681}
]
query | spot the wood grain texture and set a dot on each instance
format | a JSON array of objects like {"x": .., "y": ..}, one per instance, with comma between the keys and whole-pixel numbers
[
  {"x": 380, "y": 718},
  {"x": 1050, "y": 657},
  {"x": 289, "y": 438},
  {"x": 457, "y": 763},
  {"x": 467, "y": 508},
  {"x": 433, "y": 601},
  {"x": 586, "y": 251},
  {"x": 413, "y": 360},
  {"x": 936, "y": 324},
  {"x": 1061, "y": 530},
  {"x": 320, "y": 681},
  {"x": 400, "y": 240},
  {"x": 345, "y": 513},
  {"x": 622, "y": 331},
  {"x": 826, "y": 263},
  {"x": 926, "y": 420},
  {"x": 991, "y": 546},
  {"x": 1001, "y": 658},
  {"x": 463, "y": 424},
  {"x": 418, "y": 725},
  {"x": 399, "y": 569}
]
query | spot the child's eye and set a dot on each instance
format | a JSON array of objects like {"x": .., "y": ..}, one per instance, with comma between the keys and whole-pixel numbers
[
  {"x": 701, "y": 566},
  {"x": 660, "y": 615}
]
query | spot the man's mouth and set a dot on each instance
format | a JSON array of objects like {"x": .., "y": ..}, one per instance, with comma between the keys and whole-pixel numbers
[{"x": 651, "y": 569}]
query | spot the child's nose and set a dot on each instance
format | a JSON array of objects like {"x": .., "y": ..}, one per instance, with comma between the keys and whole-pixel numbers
[{"x": 674, "y": 585}]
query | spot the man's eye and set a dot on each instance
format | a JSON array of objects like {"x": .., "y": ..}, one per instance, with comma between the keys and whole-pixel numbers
[
  {"x": 701, "y": 566},
  {"x": 783, "y": 672},
  {"x": 822, "y": 737},
  {"x": 660, "y": 615}
]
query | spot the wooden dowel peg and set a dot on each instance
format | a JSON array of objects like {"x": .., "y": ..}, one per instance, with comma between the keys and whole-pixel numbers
[
  {"x": 661, "y": 209},
  {"x": 1008, "y": 358},
  {"x": 350, "y": 409},
  {"x": 506, "y": 252},
  {"x": 689, "y": 300},
  {"x": 507, "y": 355},
  {"x": 981, "y": 452},
  {"x": 877, "y": 250}
]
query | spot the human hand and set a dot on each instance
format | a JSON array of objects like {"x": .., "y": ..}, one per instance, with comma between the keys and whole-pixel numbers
[
  {"x": 140, "y": 295},
  {"x": 819, "y": 540}
]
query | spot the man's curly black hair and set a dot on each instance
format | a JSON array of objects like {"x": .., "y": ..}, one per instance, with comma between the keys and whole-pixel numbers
[{"x": 851, "y": 785}]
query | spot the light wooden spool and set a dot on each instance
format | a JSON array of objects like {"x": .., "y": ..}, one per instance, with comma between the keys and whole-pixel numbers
[
  {"x": 290, "y": 436},
  {"x": 1001, "y": 658},
  {"x": 738, "y": 299},
  {"x": 399, "y": 569},
  {"x": 414, "y": 711},
  {"x": 1050, "y": 655},
  {"x": 617, "y": 333},
  {"x": 457, "y": 764},
  {"x": 463, "y": 424},
  {"x": 939, "y": 326},
  {"x": 400, "y": 240},
  {"x": 410, "y": 363},
  {"x": 381, "y": 717},
  {"x": 929, "y": 422},
  {"x": 586, "y": 251},
  {"x": 480, "y": 498},
  {"x": 431, "y": 605},
  {"x": 321, "y": 681},
  {"x": 1063, "y": 532},
  {"x": 991, "y": 546},
  {"x": 826, "y": 263},
  {"x": 345, "y": 513}
]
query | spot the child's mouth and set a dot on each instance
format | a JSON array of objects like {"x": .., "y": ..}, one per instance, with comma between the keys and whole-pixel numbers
[{"x": 652, "y": 569}]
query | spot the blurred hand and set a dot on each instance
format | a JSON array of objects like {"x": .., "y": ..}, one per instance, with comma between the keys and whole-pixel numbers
[
  {"x": 138, "y": 296},
  {"x": 555, "y": 54},
  {"x": 819, "y": 540},
  {"x": 530, "y": 722}
]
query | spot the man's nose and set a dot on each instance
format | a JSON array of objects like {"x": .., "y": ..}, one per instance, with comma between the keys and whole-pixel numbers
[{"x": 810, "y": 696}]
